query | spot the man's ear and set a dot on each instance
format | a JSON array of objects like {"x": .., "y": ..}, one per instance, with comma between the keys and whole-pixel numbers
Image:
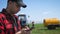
[{"x": 10, "y": 2}]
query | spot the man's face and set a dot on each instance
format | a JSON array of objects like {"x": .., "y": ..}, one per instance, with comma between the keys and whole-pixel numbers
[{"x": 14, "y": 8}]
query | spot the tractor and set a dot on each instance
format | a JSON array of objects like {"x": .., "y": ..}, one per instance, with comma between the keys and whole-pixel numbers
[{"x": 51, "y": 23}]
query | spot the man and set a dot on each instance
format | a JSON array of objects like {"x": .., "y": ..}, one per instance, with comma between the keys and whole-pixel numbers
[{"x": 9, "y": 23}]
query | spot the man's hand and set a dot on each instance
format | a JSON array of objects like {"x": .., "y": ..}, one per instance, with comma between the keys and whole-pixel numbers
[
  {"x": 19, "y": 32},
  {"x": 25, "y": 30}
]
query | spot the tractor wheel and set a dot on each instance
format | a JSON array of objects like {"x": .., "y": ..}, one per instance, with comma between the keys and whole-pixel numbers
[{"x": 51, "y": 27}]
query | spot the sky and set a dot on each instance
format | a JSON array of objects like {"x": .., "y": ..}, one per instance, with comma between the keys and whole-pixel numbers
[{"x": 38, "y": 9}]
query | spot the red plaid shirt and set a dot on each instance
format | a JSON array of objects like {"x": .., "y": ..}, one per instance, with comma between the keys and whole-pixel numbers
[{"x": 7, "y": 23}]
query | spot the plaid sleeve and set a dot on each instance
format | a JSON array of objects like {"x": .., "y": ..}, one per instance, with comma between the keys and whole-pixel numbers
[{"x": 1, "y": 28}]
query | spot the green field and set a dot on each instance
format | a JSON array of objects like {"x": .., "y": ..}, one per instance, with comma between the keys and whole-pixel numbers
[{"x": 40, "y": 29}]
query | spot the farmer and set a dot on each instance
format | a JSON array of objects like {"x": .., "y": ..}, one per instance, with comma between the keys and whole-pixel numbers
[{"x": 9, "y": 23}]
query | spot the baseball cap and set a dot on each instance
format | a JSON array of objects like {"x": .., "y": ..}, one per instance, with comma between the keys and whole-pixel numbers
[{"x": 19, "y": 2}]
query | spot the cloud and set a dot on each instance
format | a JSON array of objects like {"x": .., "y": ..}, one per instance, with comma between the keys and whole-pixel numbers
[{"x": 45, "y": 13}]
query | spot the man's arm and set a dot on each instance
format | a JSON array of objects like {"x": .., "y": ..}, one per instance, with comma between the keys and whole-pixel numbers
[
  {"x": 2, "y": 26},
  {"x": 25, "y": 30},
  {"x": 2, "y": 31}
]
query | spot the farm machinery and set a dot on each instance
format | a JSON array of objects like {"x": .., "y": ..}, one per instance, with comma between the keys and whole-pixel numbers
[{"x": 51, "y": 23}]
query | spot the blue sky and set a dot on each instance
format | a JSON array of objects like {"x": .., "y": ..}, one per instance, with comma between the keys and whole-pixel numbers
[{"x": 38, "y": 9}]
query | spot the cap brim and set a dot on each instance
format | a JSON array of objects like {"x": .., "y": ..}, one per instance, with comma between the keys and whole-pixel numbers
[{"x": 22, "y": 4}]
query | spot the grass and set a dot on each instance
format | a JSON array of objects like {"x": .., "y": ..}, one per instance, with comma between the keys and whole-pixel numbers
[{"x": 40, "y": 29}]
